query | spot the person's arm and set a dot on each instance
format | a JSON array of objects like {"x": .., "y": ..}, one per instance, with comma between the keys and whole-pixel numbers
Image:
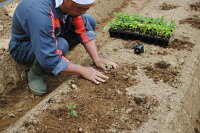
[
  {"x": 87, "y": 72},
  {"x": 101, "y": 63}
]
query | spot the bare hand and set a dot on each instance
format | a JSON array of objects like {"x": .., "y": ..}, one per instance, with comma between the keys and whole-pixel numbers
[
  {"x": 94, "y": 75},
  {"x": 106, "y": 64}
]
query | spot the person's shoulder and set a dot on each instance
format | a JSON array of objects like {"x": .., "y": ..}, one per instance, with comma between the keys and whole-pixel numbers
[{"x": 37, "y": 4}]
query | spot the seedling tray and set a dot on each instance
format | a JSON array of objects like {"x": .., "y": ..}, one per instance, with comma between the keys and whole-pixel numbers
[{"x": 135, "y": 36}]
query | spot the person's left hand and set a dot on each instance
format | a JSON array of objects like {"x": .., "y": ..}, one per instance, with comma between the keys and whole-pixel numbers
[{"x": 106, "y": 64}]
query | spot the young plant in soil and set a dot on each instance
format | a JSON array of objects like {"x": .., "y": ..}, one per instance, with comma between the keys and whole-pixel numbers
[
  {"x": 107, "y": 66},
  {"x": 72, "y": 109}
]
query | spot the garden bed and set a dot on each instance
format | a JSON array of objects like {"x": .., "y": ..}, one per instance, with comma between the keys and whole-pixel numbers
[{"x": 156, "y": 91}]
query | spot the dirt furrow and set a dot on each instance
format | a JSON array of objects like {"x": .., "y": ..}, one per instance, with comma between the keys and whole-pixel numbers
[{"x": 157, "y": 91}]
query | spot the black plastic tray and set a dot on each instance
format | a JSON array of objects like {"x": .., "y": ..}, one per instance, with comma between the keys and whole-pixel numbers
[{"x": 135, "y": 36}]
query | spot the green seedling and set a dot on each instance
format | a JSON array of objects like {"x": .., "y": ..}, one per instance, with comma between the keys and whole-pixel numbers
[
  {"x": 73, "y": 111},
  {"x": 157, "y": 27},
  {"x": 107, "y": 67},
  {"x": 110, "y": 67}
]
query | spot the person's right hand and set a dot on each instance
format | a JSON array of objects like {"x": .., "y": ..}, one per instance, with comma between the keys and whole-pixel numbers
[{"x": 93, "y": 75}]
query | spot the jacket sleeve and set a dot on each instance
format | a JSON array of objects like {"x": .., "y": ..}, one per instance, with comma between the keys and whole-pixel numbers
[
  {"x": 83, "y": 28},
  {"x": 41, "y": 25}
]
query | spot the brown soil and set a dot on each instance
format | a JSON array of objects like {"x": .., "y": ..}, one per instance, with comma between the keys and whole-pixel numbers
[
  {"x": 101, "y": 108},
  {"x": 107, "y": 107},
  {"x": 163, "y": 71},
  {"x": 197, "y": 130},
  {"x": 193, "y": 21},
  {"x": 18, "y": 100},
  {"x": 195, "y": 6},
  {"x": 181, "y": 44},
  {"x": 5, "y": 22},
  {"x": 166, "y": 6},
  {"x": 14, "y": 103},
  {"x": 15, "y": 100}
]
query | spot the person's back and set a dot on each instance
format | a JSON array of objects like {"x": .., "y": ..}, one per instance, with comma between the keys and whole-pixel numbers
[
  {"x": 41, "y": 34},
  {"x": 24, "y": 21},
  {"x": 21, "y": 18}
]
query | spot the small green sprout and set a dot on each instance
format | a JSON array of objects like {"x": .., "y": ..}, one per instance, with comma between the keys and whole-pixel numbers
[
  {"x": 73, "y": 111},
  {"x": 108, "y": 67}
]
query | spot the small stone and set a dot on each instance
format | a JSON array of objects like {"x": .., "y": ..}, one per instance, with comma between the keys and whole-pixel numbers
[
  {"x": 125, "y": 76},
  {"x": 129, "y": 75},
  {"x": 119, "y": 92},
  {"x": 74, "y": 86},
  {"x": 11, "y": 115},
  {"x": 80, "y": 130},
  {"x": 138, "y": 122},
  {"x": 128, "y": 111},
  {"x": 32, "y": 96}
]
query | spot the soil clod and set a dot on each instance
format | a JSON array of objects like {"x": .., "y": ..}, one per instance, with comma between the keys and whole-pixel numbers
[
  {"x": 195, "y": 6},
  {"x": 162, "y": 71},
  {"x": 193, "y": 21},
  {"x": 181, "y": 44},
  {"x": 166, "y": 6}
]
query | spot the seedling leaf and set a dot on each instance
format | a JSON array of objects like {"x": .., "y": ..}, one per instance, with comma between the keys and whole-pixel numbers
[{"x": 74, "y": 113}]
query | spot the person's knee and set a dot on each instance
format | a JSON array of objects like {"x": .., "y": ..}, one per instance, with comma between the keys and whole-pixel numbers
[
  {"x": 91, "y": 20},
  {"x": 62, "y": 45}
]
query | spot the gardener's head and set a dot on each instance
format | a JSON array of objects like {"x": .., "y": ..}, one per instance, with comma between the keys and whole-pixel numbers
[{"x": 76, "y": 7}]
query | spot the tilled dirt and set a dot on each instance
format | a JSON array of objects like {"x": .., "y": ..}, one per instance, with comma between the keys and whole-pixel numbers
[
  {"x": 5, "y": 22},
  {"x": 101, "y": 108},
  {"x": 166, "y": 6},
  {"x": 193, "y": 21},
  {"x": 196, "y": 130},
  {"x": 144, "y": 95},
  {"x": 162, "y": 71},
  {"x": 195, "y": 6},
  {"x": 183, "y": 44}
]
